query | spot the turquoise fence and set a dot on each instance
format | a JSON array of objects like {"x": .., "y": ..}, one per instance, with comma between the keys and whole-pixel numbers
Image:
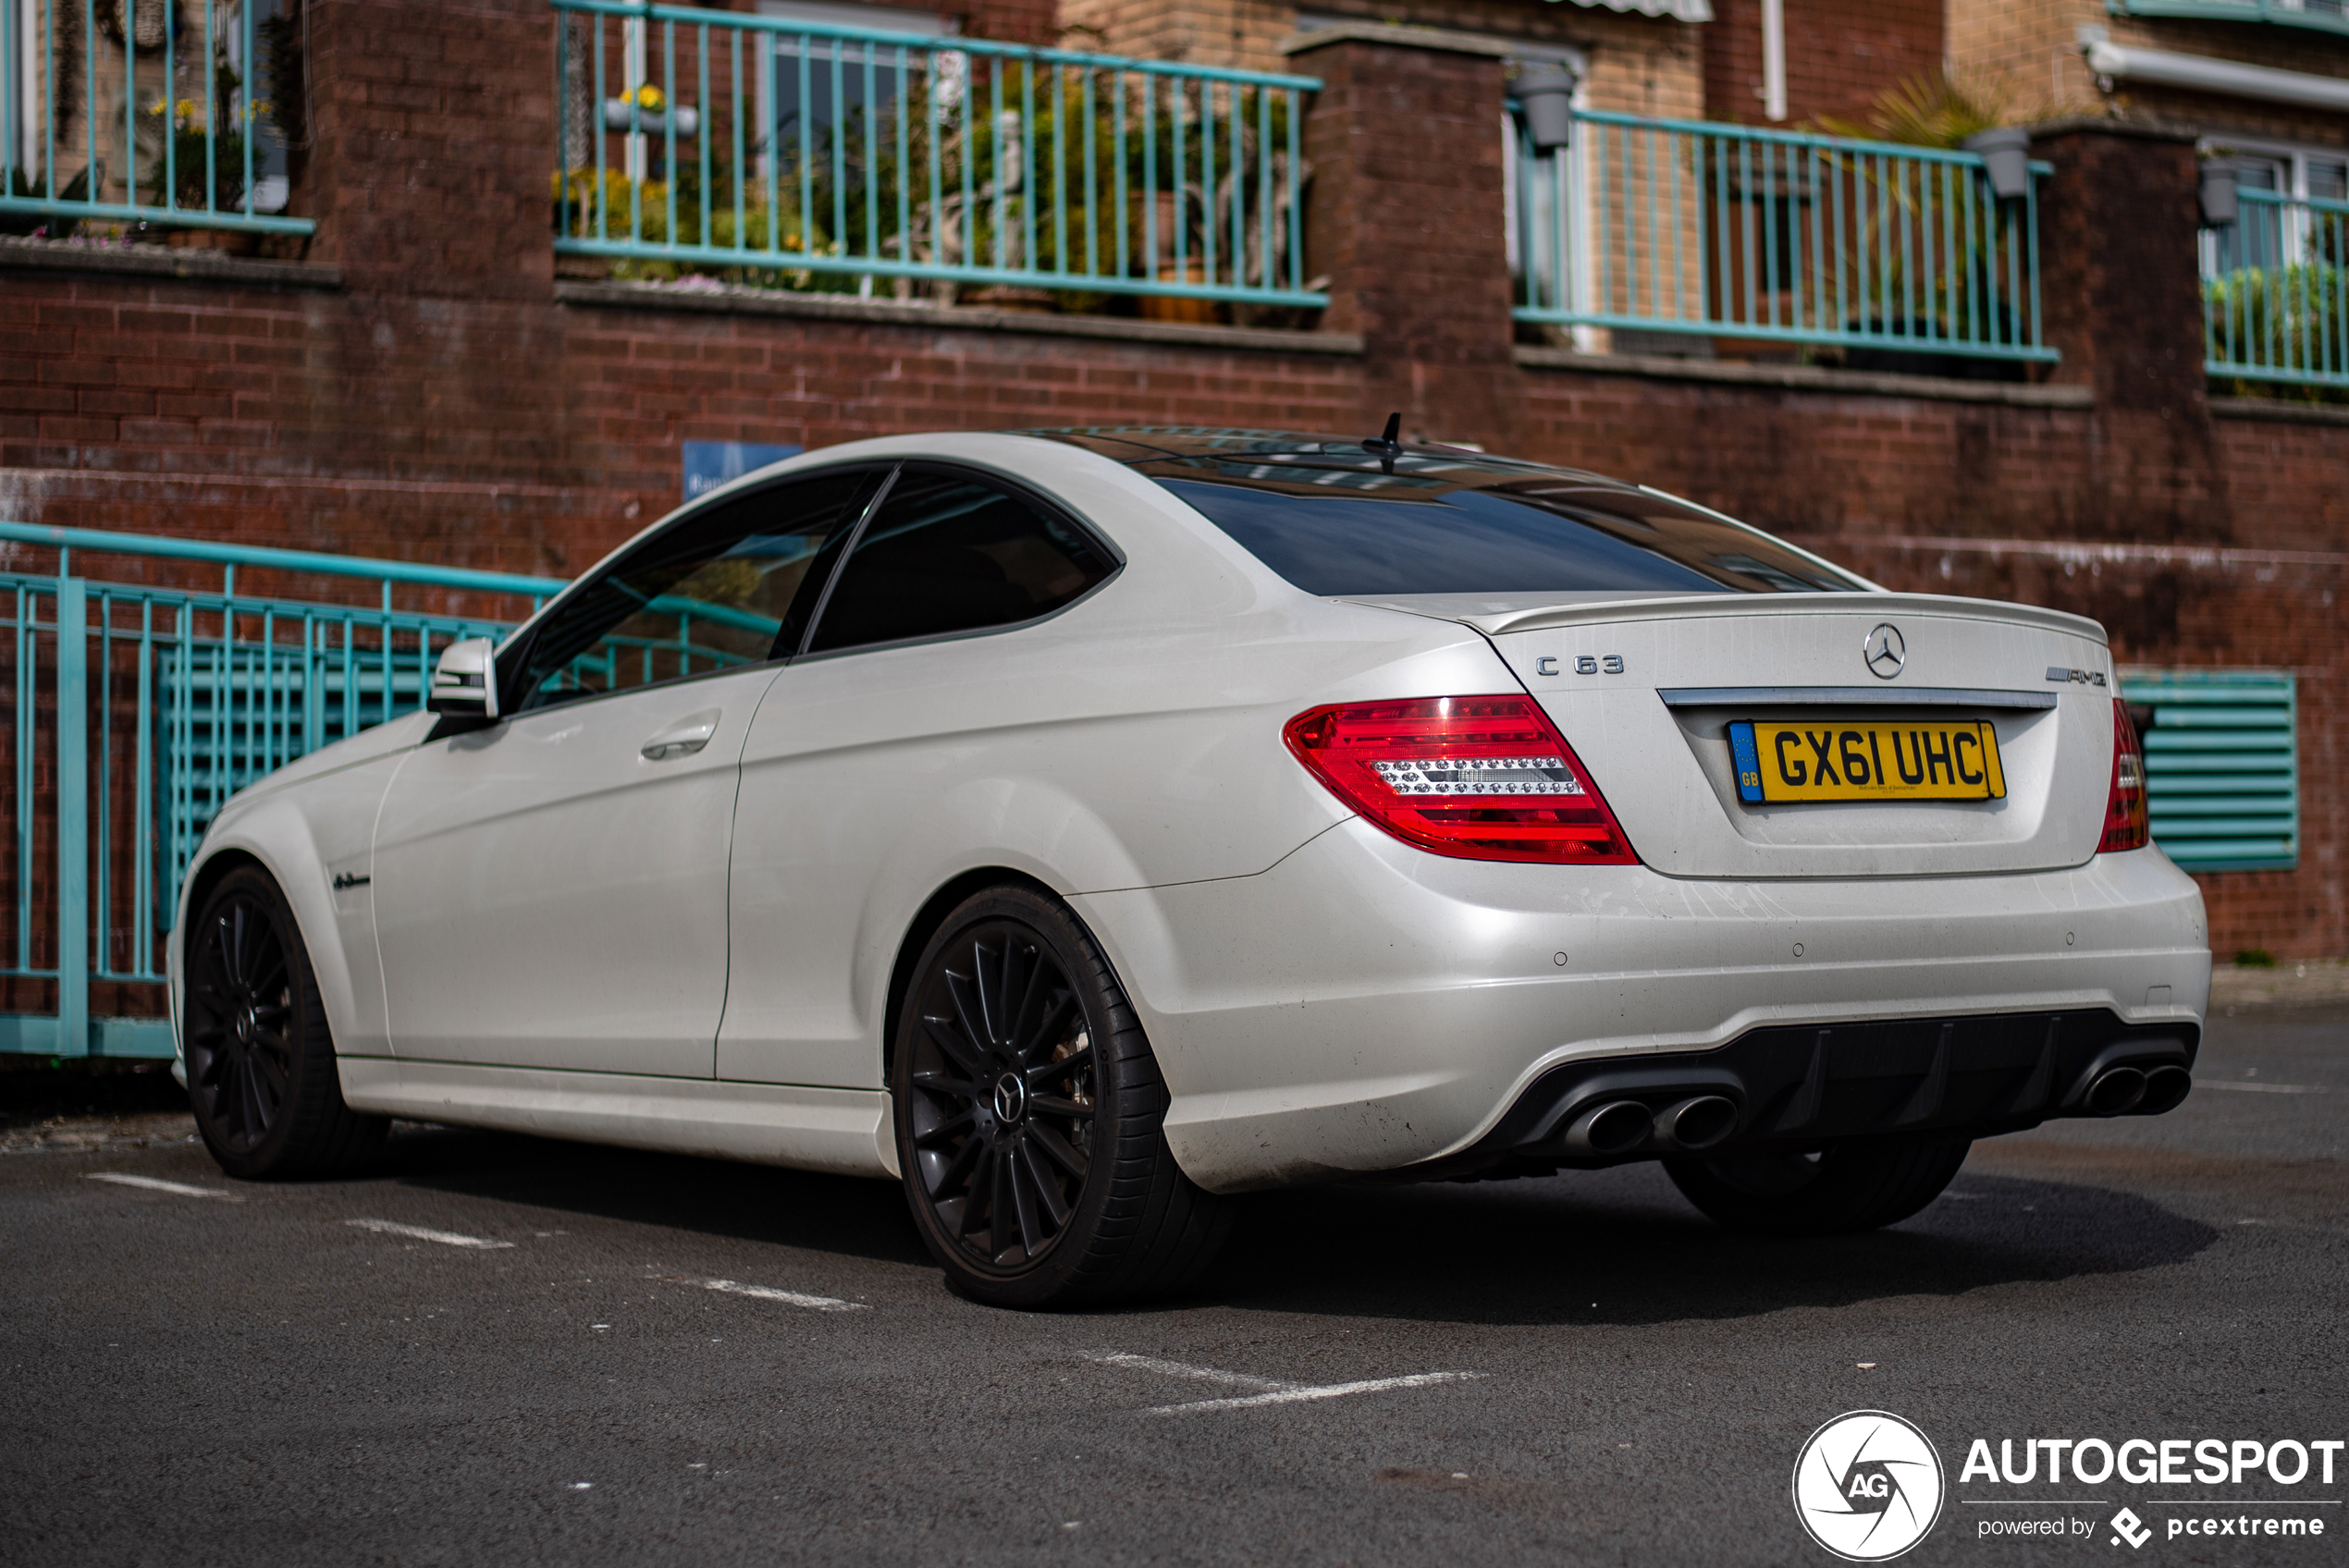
[
  {"x": 2275, "y": 291},
  {"x": 2222, "y": 766},
  {"x": 1728, "y": 232},
  {"x": 2321, "y": 15},
  {"x": 137, "y": 706},
  {"x": 118, "y": 112},
  {"x": 801, "y": 154}
]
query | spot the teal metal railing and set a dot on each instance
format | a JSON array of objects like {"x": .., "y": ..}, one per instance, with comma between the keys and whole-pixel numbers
[
  {"x": 800, "y": 154},
  {"x": 2323, "y": 15},
  {"x": 145, "y": 112},
  {"x": 136, "y": 707},
  {"x": 2275, "y": 291},
  {"x": 2222, "y": 764},
  {"x": 1733, "y": 233}
]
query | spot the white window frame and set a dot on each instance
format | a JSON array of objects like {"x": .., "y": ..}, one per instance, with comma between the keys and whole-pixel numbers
[
  {"x": 839, "y": 13},
  {"x": 2294, "y": 158}
]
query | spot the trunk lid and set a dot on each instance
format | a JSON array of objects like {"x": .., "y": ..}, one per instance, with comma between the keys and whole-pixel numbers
[{"x": 1645, "y": 690}]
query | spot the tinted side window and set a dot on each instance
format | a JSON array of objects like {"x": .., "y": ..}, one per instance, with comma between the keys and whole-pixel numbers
[
  {"x": 946, "y": 552},
  {"x": 733, "y": 586}
]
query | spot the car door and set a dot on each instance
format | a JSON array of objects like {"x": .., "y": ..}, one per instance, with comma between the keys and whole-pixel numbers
[
  {"x": 910, "y": 678},
  {"x": 550, "y": 889}
]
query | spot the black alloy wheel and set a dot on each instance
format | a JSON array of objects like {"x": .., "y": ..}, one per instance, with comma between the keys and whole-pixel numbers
[
  {"x": 260, "y": 1058},
  {"x": 1861, "y": 1184},
  {"x": 1029, "y": 1114},
  {"x": 1004, "y": 1100}
]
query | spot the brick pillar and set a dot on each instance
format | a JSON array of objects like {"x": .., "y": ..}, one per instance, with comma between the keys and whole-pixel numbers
[
  {"x": 1405, "y": 219},
  {"x": 433, "y": 145},
  {"x": 2118, "y": 277}
]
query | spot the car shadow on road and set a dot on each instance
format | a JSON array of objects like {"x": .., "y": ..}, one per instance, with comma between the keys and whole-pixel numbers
[
  {"x": 1620, "y": 1246},
  {"x": 854, "y": 1217},
  {"x": 1539, "y": 1251}
]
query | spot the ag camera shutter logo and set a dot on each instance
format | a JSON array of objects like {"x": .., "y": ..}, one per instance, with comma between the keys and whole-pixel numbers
[{"x": 1868, "y": 1486}]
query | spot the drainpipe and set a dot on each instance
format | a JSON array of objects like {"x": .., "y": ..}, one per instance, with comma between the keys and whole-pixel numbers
[{"x": 1774, "y": 59}]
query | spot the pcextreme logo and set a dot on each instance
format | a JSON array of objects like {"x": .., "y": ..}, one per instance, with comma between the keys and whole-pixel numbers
[{"x": 1868, "y": 1486}]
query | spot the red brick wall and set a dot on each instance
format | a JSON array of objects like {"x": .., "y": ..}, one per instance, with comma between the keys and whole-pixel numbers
[
  {"x": 1406, "y": 222},
  {"x": 534, "y": 437},
  {"x": 444, "y": 406},
  {"x": 1840, "y": 55},
  {"x": 505, "y": 436}
]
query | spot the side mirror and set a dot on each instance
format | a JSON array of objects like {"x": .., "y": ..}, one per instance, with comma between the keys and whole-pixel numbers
[{"x": 464, "y": 684}]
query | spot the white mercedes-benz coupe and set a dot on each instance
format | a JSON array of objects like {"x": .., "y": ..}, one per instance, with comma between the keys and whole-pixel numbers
[{"x": 1082, "y": 827}]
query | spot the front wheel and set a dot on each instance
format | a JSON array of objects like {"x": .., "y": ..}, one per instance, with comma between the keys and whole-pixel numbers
[
  {"x": 1859, "y": 1186},
  {"x": 261, "y": 1061},
  {"x": 1029, "y": 1118}
]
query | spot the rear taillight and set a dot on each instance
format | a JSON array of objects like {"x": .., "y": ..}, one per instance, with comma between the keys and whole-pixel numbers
[
  {"x": 1476, "y": 777},
  {"x": 2124, "y": 808}
]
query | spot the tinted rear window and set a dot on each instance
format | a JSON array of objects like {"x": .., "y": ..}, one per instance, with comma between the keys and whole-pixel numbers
[{"x": 1535, "y": 534}]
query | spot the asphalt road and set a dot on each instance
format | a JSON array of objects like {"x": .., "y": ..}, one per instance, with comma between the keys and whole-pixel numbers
[{"x": 259, "y": 1379}]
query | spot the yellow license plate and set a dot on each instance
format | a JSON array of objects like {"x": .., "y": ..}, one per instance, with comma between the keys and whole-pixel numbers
[{"x": 1842, "y": 761}]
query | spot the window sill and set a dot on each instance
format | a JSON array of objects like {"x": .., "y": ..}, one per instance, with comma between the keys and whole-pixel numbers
[
  {"x": 163, "y": 261},
  {"x": 733, "y": 301},
  {"x": 2276, "y": 409},
  {"x": 1811, "y": 378}
]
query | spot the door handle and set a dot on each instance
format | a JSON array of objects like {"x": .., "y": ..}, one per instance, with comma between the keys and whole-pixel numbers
[{"x": 682, "y": 739}]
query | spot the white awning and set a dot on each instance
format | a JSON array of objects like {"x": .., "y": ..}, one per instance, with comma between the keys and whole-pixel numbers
[
  {"x": 2202, "y": 74},
  {"x": 1680, "y": 11}
]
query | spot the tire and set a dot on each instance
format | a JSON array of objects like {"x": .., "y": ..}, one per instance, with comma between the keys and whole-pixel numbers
[
  {"x": 260, "y": 1059},
  {"x": 1030, "y": 1117},
  {"x": 1850, "y": 1186}
]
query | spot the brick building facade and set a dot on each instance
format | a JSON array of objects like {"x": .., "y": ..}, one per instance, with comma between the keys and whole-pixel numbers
[{"x": 420, "y": 383}]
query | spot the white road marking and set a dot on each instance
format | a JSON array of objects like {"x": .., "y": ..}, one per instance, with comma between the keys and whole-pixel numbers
[
  {"x": 1183, "y": 1369},
  {"x": 1275, "y": 1390},
  {"x": 1332, "y": 1391},
  {"x": 418, "y": 1232},
  {"x": 155, "y": 1184},
  {"x": 768, "y": 1292},
  {"x": 2260, "y": 1088}
]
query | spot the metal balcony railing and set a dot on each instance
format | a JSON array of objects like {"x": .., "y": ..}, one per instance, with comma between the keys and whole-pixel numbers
[
  {"x": 798, "y": 154},
  {"x": 2275, "y": 291},
  {"x": 1742, "y": 234},
  {"x": 136, "y": 706},
  {"x": 2324, "y": 16},
  {"x": 140, "y": 112}
]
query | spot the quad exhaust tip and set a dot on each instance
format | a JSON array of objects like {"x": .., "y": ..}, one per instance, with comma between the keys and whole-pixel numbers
[
  {"x": 2118, "y": 1090},
  {"x": 1697, "y": 1122},
  {"x": 2166, "y": 1089},
  {"x": 1616, "y": 1127}
]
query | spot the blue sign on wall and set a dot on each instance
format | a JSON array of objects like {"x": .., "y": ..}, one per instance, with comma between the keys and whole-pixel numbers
[{"x": 709, "y": 464}]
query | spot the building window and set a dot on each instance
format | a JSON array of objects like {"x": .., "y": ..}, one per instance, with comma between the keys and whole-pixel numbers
[{"x": 2267, "y": 234}]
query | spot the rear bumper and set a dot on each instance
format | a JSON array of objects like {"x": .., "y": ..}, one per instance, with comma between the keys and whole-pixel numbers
[
  {"x": 1364, "y": 1006},
  {"x": 1791, "y": 1088}
]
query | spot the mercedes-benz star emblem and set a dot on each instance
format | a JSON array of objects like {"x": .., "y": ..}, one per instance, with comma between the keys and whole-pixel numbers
[{"x": 1885, "y": 652}]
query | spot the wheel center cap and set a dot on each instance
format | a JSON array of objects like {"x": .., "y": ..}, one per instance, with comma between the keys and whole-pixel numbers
[
  {"x": 1011, "y": 1097},
  {"x": 245, "y": 1025}
]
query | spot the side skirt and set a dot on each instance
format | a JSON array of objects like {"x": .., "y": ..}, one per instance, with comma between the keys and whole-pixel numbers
[{"x": 845, "y": 1132}]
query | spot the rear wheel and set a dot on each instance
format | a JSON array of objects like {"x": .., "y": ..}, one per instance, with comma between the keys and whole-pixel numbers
[
  {"x": 1852, "y": 1186},
  {"x": 261, "y": 1061},
  {"x": 1030, "y": 1111}
]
